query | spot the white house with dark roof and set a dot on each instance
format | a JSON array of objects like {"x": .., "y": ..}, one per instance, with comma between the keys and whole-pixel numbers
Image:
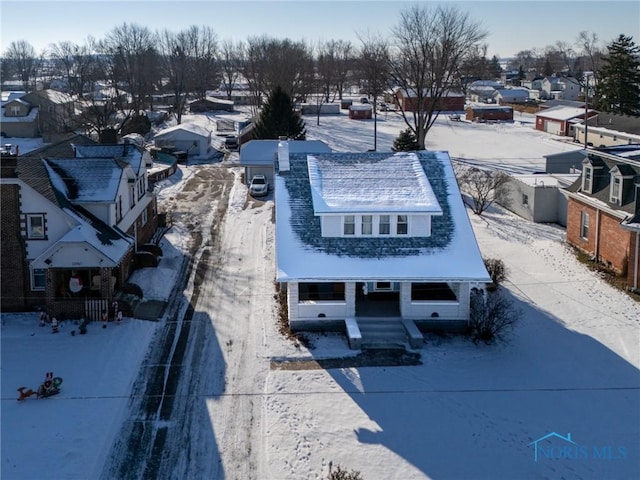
[{"x": 374, "y": 237}]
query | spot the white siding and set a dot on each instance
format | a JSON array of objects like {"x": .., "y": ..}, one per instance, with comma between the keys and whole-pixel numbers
[
  {"x": 420, "y": 225},
  {"x": 331, "y": 226}
]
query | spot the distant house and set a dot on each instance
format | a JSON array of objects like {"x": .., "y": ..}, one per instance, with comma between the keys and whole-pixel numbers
[
  {"x": 238, "y": 97},
  {"x": 57, "y": 113},
  {"x": 560, "y": 120},
  {"x": 560, "y": 88},
  {"x": 210, "y": 104},
  {"x": 484, "y": 113},
  {"x": 511, "y": 95},
  {"x": 449, "y": 102},
  {"x": 361, "y": 112},
  {"x": 608, "y": 129},
  {"x": 258, "y": 157},
  {"x": 187, "y": 137},
  {"x": 19, "y": 119},
  {"x": 73, "y": 215},
  {"x": 324, "y": 108},
  {"x": 565, "y": 162},
  {"x": 603, "y": 208},
  {"x": 381, "y": 237},
  {"x": 482, "y": 90}
]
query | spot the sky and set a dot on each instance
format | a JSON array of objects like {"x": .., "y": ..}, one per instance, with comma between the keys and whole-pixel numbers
[{"x": 512, "y": 26}]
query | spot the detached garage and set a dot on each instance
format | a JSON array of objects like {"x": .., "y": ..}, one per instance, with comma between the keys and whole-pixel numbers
[
  {"x": 187, "y": 137},
  {"x": 559, "y": 120}
]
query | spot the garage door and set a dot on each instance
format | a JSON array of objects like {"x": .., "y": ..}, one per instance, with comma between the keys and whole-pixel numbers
[{"x": 553, "y": 127}]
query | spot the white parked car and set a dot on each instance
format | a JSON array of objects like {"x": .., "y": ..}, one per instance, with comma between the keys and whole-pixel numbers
[{"x": 259, "y": 186}]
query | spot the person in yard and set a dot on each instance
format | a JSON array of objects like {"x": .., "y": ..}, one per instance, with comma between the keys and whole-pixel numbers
[
  {"x": 105, "y": 318},
  {"x": 54, "y": 325}
]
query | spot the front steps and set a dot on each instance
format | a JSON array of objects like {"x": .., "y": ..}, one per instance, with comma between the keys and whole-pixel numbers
[{"x": 387, "y": 333}]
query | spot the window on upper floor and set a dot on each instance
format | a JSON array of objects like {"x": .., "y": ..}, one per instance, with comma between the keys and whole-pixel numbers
[
  {"x": 584, "y": 226},
  {"x": 616, "y": 189},
  {"x": 15, "y": 111},
  {"x": 367, "y": 225},
  {"x": 587, "y": 179},
  {"x": 525, "y": 199},
  {"x": 132, "y": 196},
  {"x": 144, "y": 218},
  {"x": 35, "y": 226},
  {"x": 402, "y": 225},
  {"x": 349, "y": 226}
]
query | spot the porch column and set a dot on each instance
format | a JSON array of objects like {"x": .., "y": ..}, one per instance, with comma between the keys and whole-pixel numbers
[
  {"x": 405, "y": 299},
  {"x": 350, "y": 299},
  {"x": 50, "y": 290},
  {"x": 293, "y": 298},
  {"x": 105, "y": 283},
  {"x": 464, "y": 299}
]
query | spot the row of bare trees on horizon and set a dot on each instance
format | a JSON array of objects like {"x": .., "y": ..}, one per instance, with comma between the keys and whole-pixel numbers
[{"x": 430, "y": 51}]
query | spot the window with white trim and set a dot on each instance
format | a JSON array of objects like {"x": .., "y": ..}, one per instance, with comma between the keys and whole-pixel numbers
[
  {"x": 384, "y": 225},
  {"x": 349, "y": 226},
  {"x": 35, "y": 226},
  {"x": 38, "y": 279},
  {"x": 402, "y": 225},
  {"x": 525, "y": 199},
  {"x": 616, "y": 189},
  {"x": 15, "y": 111},
  {"x": 144, "y": 218},
  {"x": 367, "y": 225},
  {"x": 587, "y": 179},
  {"x": 584, "y": 226}
]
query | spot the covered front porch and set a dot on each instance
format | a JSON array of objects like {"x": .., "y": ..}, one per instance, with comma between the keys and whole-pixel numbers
[{"x": 325, "y": 305}]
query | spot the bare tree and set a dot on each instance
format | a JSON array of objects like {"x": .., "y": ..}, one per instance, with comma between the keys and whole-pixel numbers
[
  {"x": 492, "y": 316},
  {"x": 175, "y": 62},
  {"x": 269, "y": 62},
  {"x": 22, "y": 61},
  {"x": 202, "y": 48},
  {"x": 131, "y": 49},
  {"x": 483, "y": 187},
  {"x": 474, "y": 66},
  {"x": 230, "y": 65},
  {"x": 373, "y": 66},
  {"x": 76, "y": 61},
  {"x": 429, "y": 46}
]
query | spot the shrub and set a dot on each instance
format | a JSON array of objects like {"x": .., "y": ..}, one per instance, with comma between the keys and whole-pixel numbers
[
  {"x": 497, "y": 270},
  {"x": 492, "y": 316},
  {"x": 405, "y": 142},
  {"x": 339, "y": 474}
]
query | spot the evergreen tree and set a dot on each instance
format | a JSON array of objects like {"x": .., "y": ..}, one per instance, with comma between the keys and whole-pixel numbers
[
  {"x": 619, "y": 78},
  {"x": 405, "y": 142},
  {"x": 278, "y": 118},
  {"x": 495, "y": 70}
]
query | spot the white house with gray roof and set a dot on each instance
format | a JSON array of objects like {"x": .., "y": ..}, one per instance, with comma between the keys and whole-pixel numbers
[{"x": 374, "y": 237}]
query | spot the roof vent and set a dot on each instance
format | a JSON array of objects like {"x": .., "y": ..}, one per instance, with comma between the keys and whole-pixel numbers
[{"x": 283, "y": 154}]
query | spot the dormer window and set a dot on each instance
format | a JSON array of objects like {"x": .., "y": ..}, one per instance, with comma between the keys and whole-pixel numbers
[
  {"x": 384, "y": 225},
  {"x": 587, "y": 179},
  {"x": 616, "y": 189}
]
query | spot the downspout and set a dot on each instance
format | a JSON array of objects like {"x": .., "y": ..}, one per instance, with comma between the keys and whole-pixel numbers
[
  {"x": 597, "y": 239},
  {"x": 635, "y": 264}
]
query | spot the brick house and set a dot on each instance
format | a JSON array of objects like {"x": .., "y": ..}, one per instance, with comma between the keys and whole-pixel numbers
[
  {"x": 74, "y": 214},
  {"x": 448, "y": 102},
  {"x": 601, "y": 206}
]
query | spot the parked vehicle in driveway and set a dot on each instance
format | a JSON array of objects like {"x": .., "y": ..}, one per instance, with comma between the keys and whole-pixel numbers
[{"x": 259, "y": 186}]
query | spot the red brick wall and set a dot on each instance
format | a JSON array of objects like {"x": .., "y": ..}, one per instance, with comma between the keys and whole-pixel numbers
[
  {"x": 613, "y": 241},
  {"x": 14, "y": 275}
]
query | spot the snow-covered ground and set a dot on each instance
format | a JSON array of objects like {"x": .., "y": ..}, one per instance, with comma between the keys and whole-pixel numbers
[{"x": 467, "y": 412}]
